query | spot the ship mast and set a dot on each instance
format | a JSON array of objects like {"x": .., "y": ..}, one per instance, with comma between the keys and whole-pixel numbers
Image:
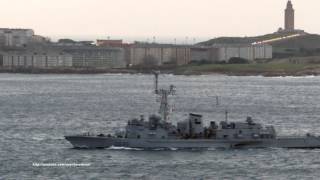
[{"x": 164, "y": 109}]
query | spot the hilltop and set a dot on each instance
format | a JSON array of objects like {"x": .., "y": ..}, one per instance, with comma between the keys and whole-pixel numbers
[
  {"x": 284, "y": 44},
  {"x": 303, "y": 40},
  {"x": 243, "y": 40}
]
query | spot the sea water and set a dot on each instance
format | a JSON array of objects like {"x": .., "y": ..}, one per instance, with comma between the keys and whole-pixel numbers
[{"x": 36, "y": 111}]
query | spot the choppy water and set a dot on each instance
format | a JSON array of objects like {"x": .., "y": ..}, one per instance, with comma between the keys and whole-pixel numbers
[{"x": 36, "y": 111}]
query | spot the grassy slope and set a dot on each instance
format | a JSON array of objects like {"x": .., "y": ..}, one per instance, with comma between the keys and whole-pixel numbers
[
  {"x": 308, "y": 41},
  {"x": 242, "y": 40}
]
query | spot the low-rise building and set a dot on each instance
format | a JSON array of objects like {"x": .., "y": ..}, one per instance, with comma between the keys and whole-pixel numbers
[
  {"x": 116, "y": 43},
  {"x": 35, "y": 59},
  {"x": 112, "y": 43},
  {"x": 223, "y": 52},
  {"x": 249, "y": 52},
  {"x": 159, "y": 54},
  {"x": 204, "y": 54},
  {"x": 15, "y": 37},
  {"x": 96, "y": 57}
]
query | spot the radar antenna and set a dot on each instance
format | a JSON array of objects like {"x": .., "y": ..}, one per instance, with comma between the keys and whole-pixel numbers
[{"x": 164, "y": 109}]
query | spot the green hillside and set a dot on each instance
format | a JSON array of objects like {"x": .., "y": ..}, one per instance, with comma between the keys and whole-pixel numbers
[
  {"x": 308, "y": 41},
  {"x": 300, "y": 46},
  {"x": 243, "y": 40}
]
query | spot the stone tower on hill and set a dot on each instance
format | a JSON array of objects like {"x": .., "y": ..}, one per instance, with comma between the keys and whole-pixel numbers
[{"x": 289, "y": 17}]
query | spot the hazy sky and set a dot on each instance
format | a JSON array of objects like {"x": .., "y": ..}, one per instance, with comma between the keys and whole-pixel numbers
[{"x": 199, "y": 19}]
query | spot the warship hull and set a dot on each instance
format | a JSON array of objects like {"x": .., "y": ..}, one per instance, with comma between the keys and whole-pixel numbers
[{"x": 92, "y": 142}]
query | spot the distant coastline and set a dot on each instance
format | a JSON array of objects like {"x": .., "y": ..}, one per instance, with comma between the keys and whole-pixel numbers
[{"x": 265, "y": 69}]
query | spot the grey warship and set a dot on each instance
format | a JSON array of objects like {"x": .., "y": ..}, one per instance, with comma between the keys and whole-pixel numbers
[{"x": 158, "y": 133}]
